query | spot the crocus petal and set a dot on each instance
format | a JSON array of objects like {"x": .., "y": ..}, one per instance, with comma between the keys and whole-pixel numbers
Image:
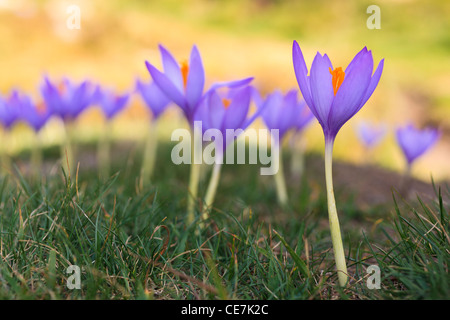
[
  {"x": 171, "y": 68},
  {"x": 301, "y": 73},
  {"x": 256, "y": 97},
  {"x": 168, "y": 87},
  {"x": 216, "y": 110},
  {"x": 355, "y": 61},
  {"x": 288, "y": 113},
  {"x": 231, "y": 84},
  {"x": 350, "y": 94},
  {"x": 236, "y": 113},
  {"x": 153, "y": 97},
  {"x": 321, "y": 88},
  {"x": 373, "y": 83},
  {"x": 195, "y": 80},
  {"x": 272, "y": 108}
]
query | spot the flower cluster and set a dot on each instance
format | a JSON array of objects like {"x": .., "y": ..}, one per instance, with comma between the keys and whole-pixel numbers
[{"x": 331, "y": 95}]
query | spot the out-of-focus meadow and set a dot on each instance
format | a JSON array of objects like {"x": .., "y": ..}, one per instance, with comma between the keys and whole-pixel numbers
[{"x": 239, "y": 39}]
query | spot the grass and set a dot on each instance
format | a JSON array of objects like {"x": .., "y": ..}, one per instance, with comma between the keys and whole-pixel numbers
[{"x": 132, "y": 242}]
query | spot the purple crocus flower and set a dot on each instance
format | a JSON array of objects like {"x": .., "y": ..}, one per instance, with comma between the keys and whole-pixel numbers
[
  {"x": 35, "y": 115},
  {"x": 370, "y": 134},
  {"x": 226, "y": 111},
  {"x": 153, "y": 97},
  {"x": 415, "y": 142},
  {"x": 8, "y": 112},
  {"x": 283, "y": 112},
  {"x": 68, "y": 100},
  {"x": 184, "y": 83},
  {"x": 334, "y": 96},
  {"x": 110, "y": 102},
  {"x": 304, "y": 116}
]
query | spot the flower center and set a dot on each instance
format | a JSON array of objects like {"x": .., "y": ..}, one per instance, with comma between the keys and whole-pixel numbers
[
  {"x": 337, "y": 78},
  {"x": 62, "y": 87},
  {"x": 226, "y": 102},
  {"x": 184, "y": 71},
  {"x": 40, "y": 107}
]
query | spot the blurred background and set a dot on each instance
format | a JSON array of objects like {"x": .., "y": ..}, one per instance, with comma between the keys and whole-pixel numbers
[{"x": 239, "y": 39}]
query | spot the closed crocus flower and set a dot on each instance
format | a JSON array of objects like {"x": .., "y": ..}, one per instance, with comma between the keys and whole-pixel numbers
[
  {"x": 111, "y": 103},
  {"x": 153, "y": 97},
  {"x": 282, "y": 112},
  {"x": 228, "y": 114},
  {"x": 415, "y": 142},
  {"x": 68, "y": 99},
  {"x": 370, "y": 134},
  {"x": 34, "y": 114},
  {"x": 224, "y": 111},
  {"x": 334, "y": 96},
  {"x": 157, "y": 102},
  {"x": 9, "y": 113}
]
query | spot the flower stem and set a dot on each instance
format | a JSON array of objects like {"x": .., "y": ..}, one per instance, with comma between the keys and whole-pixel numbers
[
  {"x": 104, "y": 146},
  {"x": 36, "y": 157},
  {"x": 148, "y": 162},
  {"x": 336, "y": 238},
  {"x": 67, "y": 150},
  {"x": 212, "y": 188},
  {"x": 194, "y": 177},
  {"x": 280, "y": 182}
]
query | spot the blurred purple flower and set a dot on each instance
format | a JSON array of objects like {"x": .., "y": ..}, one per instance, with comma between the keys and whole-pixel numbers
[
  {"x": 110, "y": 102},
  {"x": 283, "y": 112},
  {"x": 184, "y": 83},
  {"x": 33, "y": 114},
  {"x": 334, "y": 96},
  {"x": 415, "y": 142},
  {"x": 153, "y": 97},
  {"x": 8, "y": 112},
  {"x": 226, "y": 111},
  {"x": 68, "y": 100},
  {"x": 370, "y": 134}
]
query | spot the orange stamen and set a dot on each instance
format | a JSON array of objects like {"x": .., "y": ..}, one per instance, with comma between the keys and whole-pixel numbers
[
  {"x": 62, "y": 88},
  {"x": 41, "y": 107},
  {"x": 338, "y": 78},
  {"x": 226, "y": 102},
  {"x": 184, "y": 71}
]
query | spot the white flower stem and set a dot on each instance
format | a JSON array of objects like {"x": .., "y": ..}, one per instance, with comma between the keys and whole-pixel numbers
[
  {"x": 280, "y": 182},
  {"x": 36, "y": 157},
  {"x": 67, "y": 153},
  {"x": 194, "y": 178},
  {"x": 104, "y": 146},
  {"x": 211, "y": 191},
  {"x": 336, "y": 237}
]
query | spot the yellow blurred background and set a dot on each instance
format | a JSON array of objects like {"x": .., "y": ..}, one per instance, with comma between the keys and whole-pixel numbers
[{"x": 239, "y": 39}]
